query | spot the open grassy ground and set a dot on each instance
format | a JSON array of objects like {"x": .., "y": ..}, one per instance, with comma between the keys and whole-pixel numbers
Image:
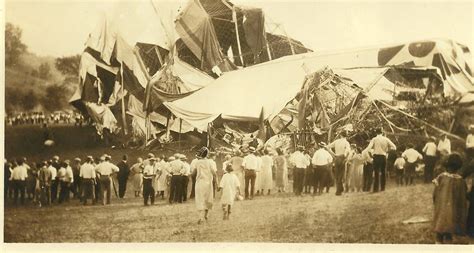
[{"x": 352, "y": 218}]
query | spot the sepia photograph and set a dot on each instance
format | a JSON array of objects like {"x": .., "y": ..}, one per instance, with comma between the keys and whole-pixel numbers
[{"x": 237, "y": 122}]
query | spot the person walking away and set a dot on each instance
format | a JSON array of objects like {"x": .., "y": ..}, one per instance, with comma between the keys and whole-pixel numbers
[
  {"x": 266, "y": 179},
  {"x": 321, "y": 161},
  {"x": 430, "y": 159},
  {"x": 308, "y": 173},
  {"x": 341, "y": 149},
  {"x": 238, "y": 169},
  {"x": 204, "y": 188},
  {"x": 148, "y": 176},
  {"x": 31, "y": 180},
  {"x": 250, "y": 164},
  {"x": 230, "y": 187},
  {"x": 300, "y": 163},
  {"x": 54, "y": 167},
  {"x": 123, "y": 173},
  {"x": 65, "y": 177},
  {"x": 449, "y": 198},
  {"x": 45, "y": 184},
  {"x": 18, "y": 178},
  {"x": 105, "y": 170},
  {"x": 185, "y": 178},
  {"x": 380, "y": 145},
  {"x": 281, "y": 171},
  {"x": 88, "y": 176},
  {"x": 137, "y": 176},
  {"x": 162, "y": 174},
  {"x": 368, "y": 173},
  {"x": 356, "y": 170},
  {"x": 470, "y": 143},
  {"x": 176, "y": 171},
  {"x": 411, "y": 157},
  {"x": 76, "y": 185},
  {"x": 399, "y": 168}
]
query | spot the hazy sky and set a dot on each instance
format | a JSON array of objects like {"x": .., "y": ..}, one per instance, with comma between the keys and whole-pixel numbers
[{"x": 60, "y": 27}]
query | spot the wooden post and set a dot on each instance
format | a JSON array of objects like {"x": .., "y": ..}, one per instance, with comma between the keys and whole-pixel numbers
[
  {"x": 124, "y": 119},
  {"x": 234, "y": 19}
]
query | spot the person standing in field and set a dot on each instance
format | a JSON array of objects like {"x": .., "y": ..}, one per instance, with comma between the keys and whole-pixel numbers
[
  {"x": 45, "y": 184},
  {"x": 355, "y": 170},
  {"x": 250, "y": 164},
  {"x": 76, "y": 185},
  {"x": 176, "y": 185},
  {"x": 7, "y": 185},
  {"x": 341, "y": 150},
  {"x": 308, "y": 173},
  {"x": 54, "y": 167},
  {"x": 399, "y": 168},
  {"x": 123, "y": 173},
  {"x": 322, "y": 161},
  {"x": 300, "y": 162},
  {"x": 411, "y": 157},
  {"x": 281, "y": 171},
  {"x": 368, "y": 174},
  {"x": 238, "y": 170},
  {"x": 449, "y": 198},
  {"x": 148, "y": 176},
  {"x": 137, "y": 176},
  {"x": 230, "y": 187},
  {"x": 430, "y": 159},
  {"x": 204, "y": 187},
  {"x": 266, "y": 179},
  {"x": 88, "y": 177},
  {"x": 185, "y": 178},
  {"x": 18, "y": 178},
  {"x": 380, "y": 146},
  {"x": 105, "y": 170},
  {"x": 162, "y": 177}
]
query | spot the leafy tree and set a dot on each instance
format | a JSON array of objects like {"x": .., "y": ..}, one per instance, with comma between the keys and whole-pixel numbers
[
  {"x": 54, "y": 98},
  {"x": 13, "y": 45},
  {"x": 68, "y": 65},
  {"x": 44, "y": 70},
  {"x": 29, "y": 100}
]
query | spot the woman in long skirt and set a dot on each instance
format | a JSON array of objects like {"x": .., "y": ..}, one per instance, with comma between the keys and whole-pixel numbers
[
  {"x": 266, "y": 179},
  {"x": 137, "y": 176},
  {"x": 281, "y": 175},
  {"x": 162, "y": 176},
  {"x": 204, "y": 187}
]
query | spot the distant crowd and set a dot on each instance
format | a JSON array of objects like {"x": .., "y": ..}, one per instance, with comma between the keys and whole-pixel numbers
[
  {"x": 348, "y": 167},
  {"x": 40, "y": 118}
]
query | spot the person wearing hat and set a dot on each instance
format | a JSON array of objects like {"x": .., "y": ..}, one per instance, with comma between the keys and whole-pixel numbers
[
  {"x": 321, "y": 161},
  {"x": 380, "y": 146},
  {"x": 162, "y": 177},
  {"x": 300, "y": 162},
  {"x": 341, "y": 148},
  {"x": 470, "y": 143},
  {"x": 105, "y": 170},
  {"x": 449, "y": 199},
  {"x": 204, "y": 197},
  {"x": 177, "y": 169},
  {"x": 45, "y": 184},
  {"x": 250, "y": 164},
  {"x": 122, "y": 176},
  {"x": 266, "y": 177},
  {"x": 88, "y": 177},
  {"x": 411, "y": 156},
  {"x": 185, "y": 178},
  {"x": 76, "y": 168},
  {"x": 429, "y": 151},
  {"x": 55, "y": 165},
  {"x": 230, "y": 187},
  {"x": 281, "y": 171},
  {"x": 18, "y": 178},
  {"x": 148, "y": 176},
  {"x": 137, "y": 176},
  {"x": 65, "y": 177}
]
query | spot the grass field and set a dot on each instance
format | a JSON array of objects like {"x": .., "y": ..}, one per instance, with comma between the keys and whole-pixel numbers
[{"x": 351, "y": 218}]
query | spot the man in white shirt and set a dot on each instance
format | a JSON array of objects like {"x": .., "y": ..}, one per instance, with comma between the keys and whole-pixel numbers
[
  {"x": 300, "y": 162},
  {"x": 321, "y": 161},
  {"x": 430, "y": 159},
  {"x": 411, "y": 157},
  {"x": 185, "y": 177},
  {"x": 444, "y": 145},
  {"x": 176, "y": 184},
  {"x": 341, "y": 150},
  {"x": 380, "y": 146},
  {"x": 148, "y": 176},
  {"x": 250, "y": 164},
  {"x": 105, "y": 170},
  {"x": 18, "y": 178},
  {"x": 87, "y": 175}
]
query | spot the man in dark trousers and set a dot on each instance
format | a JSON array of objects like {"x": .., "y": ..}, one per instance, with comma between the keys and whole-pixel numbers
[
  {"x": 380, "y": 146},
  {"x": 124, "y": 172},
  {"x": 55, "y": 181}
]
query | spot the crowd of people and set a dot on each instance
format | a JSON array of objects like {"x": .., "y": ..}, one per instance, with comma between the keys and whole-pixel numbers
[
  {"x": 41, "y": 118},
  {"x": 314, "y": 169}
]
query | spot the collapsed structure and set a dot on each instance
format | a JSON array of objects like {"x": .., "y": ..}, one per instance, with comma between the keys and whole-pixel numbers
[{"x": 224, "y": 74}]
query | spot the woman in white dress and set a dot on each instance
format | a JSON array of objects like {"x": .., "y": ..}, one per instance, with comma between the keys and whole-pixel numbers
[
  {"x": 137, "y": 176},
  {"x": 230, "y": 186},
  {"x": 266, "y": 179},
  {"x": 204, "y": 188},
  {"x": 161, "y": 179}
]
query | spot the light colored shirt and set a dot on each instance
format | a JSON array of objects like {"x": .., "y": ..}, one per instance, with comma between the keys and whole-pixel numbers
[
  {"x": 20, "y": 172},
  {"x": 299, "y": 160},
  {"x": 250, "y": 162},
  {"x": 106, "y": 168},
  {"x": 411, "y": 155},
  {"x": 322, "y": 157},
  {"x": 186, "y": 169},
  {"x": 380, "y": 145},
  {"x": 399, "y": 163},
  {"x": 367, "y": 156},
  {"x": 61, "y": 173},
  {"x": 87, "y": 171},
  {"x": 341, "y": 147},
  {"x": 444, "y": 146},
  {"x": 430, "y": 149},
  {"x": 53, "y": 170},
  {"x": 470, "y": 141},
  {"x": 176, "y": 167},
  {"x": 149, "y": 171},
  {"x": 69, "y": 174},
  {"x": 213, "y": 165}
]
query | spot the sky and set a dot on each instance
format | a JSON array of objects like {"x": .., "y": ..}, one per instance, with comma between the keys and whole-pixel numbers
[{"x": 60, "y": 27}]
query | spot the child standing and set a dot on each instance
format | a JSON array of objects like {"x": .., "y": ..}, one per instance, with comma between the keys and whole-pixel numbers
[
  {"x": 230, "y": 186},
  {"x": 449, "y": 199},
  {"x": 399, "y": 166}
]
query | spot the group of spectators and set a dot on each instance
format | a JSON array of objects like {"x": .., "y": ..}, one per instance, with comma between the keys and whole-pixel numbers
[{"x": 40, "y": 118}]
